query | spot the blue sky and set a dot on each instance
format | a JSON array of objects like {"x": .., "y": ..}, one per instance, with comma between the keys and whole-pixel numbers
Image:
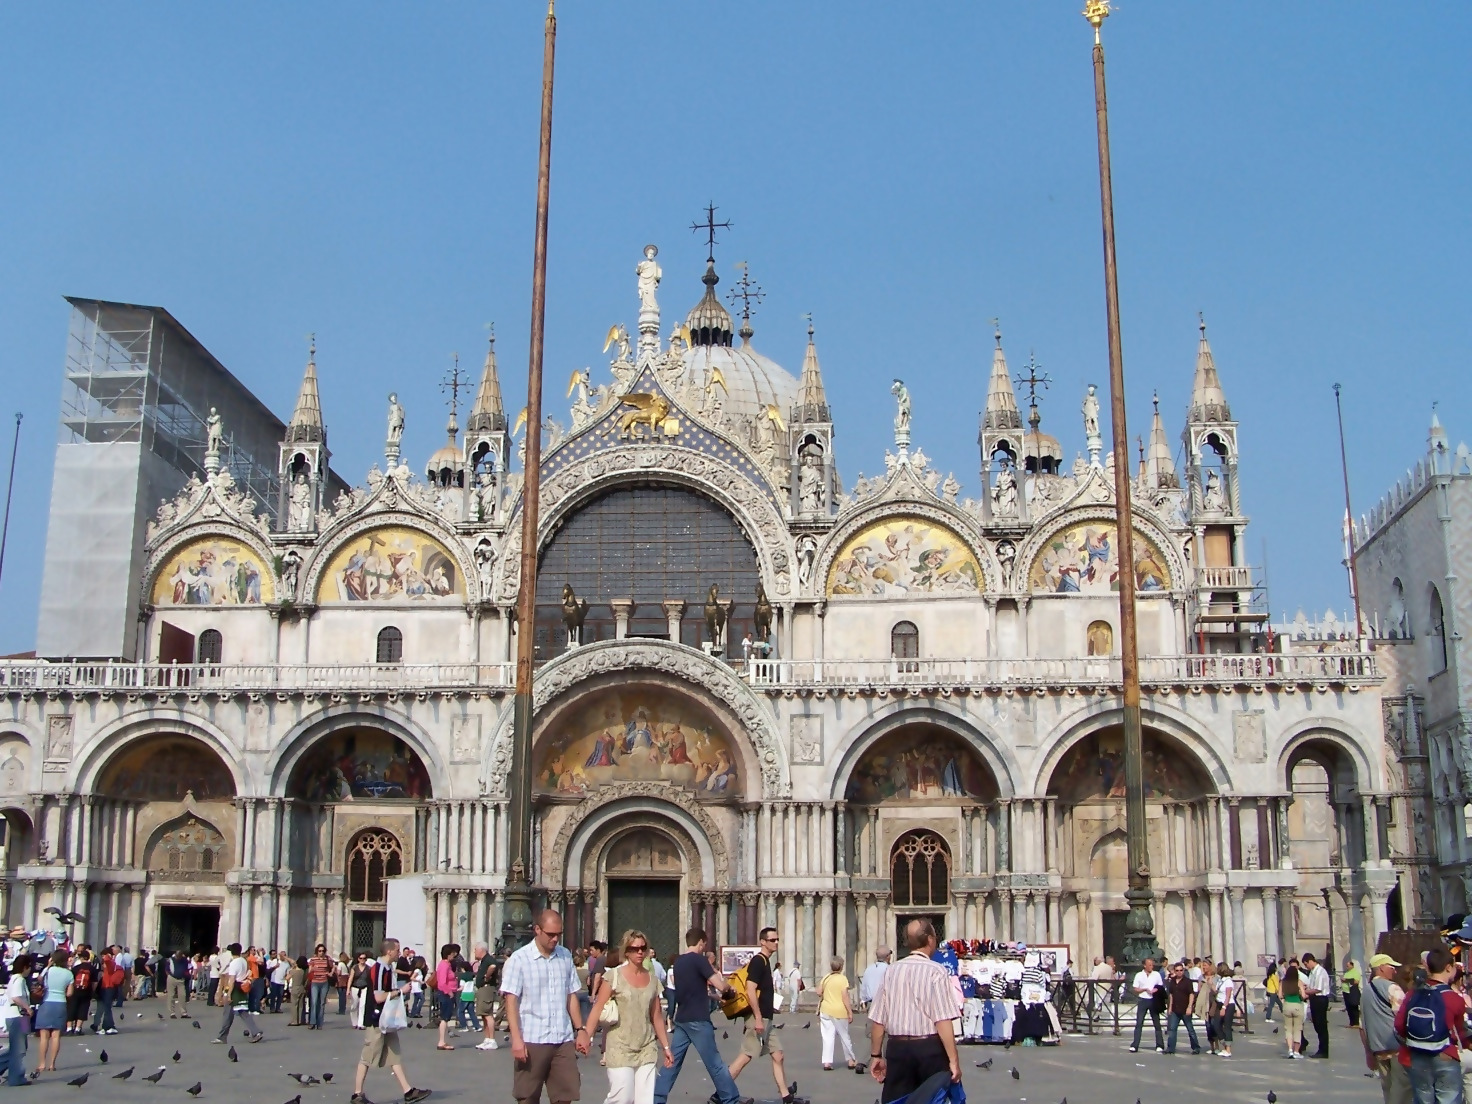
[{"x": 905, "y": 172}]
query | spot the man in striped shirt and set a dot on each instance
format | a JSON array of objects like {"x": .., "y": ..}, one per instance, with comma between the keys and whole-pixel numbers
[{"x": 914, "y": 1008}]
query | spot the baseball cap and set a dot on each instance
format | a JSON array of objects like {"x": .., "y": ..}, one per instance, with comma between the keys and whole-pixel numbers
[{"x": 1376, "y": 961}]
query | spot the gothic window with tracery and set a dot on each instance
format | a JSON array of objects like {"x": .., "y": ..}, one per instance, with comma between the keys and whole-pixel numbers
[
  {"x": 920, "y": 871},
  {"x": 373, "y": 855},
  {"x": 189, "y": 846}
]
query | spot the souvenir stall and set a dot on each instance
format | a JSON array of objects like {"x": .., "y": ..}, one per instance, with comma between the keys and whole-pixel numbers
[{"x": 1004, "y": 991}]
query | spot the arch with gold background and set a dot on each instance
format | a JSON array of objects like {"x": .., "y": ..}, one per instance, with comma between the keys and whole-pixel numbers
[
  {"x": 904, "y": 555},
  {"x": 643, "y": 731},
  {"x": 389, "y": 564},
  {"x": 1081, "y": 557},
  {"x": 213, "y": 570},
  {"x": 165, "y": 766},
  {"x": 921, "y": 763},
  {"x": 760, "y": 754}
]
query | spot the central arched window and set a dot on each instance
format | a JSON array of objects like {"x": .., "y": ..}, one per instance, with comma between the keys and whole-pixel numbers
[
  {"x": 210, "y": 648},
  {"x": 651, "y": 544},
  {"x": 373, "y": 856},
  {"x": 919, "y": 871},
  {"x": 390, "y": 645},
  {"x": 904, "y": 646},
  {"x": 190, "y": 846}
]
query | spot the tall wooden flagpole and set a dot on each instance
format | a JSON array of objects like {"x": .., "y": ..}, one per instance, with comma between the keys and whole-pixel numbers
[
  {"x": 1139, "y": 942},
  {"x": 516, "y": 930}
]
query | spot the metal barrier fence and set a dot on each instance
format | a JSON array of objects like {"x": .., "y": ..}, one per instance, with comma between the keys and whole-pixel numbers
[{"x": 1089, "y": 1007}]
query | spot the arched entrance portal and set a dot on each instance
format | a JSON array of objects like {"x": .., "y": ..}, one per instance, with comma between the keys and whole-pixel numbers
[
  {"x": 1087, "y": 791},
  {"x": 165, "y": 804},
  {"x": 643, "y": 878},
  {"x": 930, "y": 837}
]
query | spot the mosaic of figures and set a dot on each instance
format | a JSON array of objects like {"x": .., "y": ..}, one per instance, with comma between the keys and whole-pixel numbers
[
  {"x": 363, "y": 764},
  {"x": 213, "y": 572},
  {"x": 1084, "y": 559},
  {"x": 904, "y": 556},
  {"x": 165, "y": 769},
  {"x": 638, "y": 735},
  {"x": 392, "y": 564},
  {"x": 1093, "y": 770},
  {"x": 920, "y": 763}
]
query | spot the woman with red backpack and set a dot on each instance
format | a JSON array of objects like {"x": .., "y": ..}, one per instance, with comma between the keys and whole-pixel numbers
[{"x": 111, "y": 979}]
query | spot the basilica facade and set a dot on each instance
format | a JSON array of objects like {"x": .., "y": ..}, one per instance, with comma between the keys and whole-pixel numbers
[{"x": 763, "y": 695}]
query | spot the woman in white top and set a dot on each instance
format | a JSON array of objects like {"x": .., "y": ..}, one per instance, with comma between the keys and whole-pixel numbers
[
  {"x": 51, "y": 1016},
  {"x": 17, "y": 1009},
  {"x": 1225, "y": 994}
]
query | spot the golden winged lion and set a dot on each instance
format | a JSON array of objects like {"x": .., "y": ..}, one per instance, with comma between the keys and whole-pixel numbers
[{"x": 650, "y": 410}]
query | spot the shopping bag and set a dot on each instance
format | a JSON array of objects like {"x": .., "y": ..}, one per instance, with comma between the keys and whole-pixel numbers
[{"x": 393, "y": 1017}]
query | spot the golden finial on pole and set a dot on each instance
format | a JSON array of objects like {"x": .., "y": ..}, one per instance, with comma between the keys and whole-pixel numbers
[{"x": 1096, "y": 11}]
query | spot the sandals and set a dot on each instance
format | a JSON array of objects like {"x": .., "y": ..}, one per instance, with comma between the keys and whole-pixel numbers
[{"x": 443, "y": 1046}]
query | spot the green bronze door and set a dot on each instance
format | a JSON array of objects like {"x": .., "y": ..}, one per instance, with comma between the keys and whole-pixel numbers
[{"x": 652, "y": 905}]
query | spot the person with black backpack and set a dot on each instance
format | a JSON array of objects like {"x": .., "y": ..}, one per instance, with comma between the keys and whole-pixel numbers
[{"x": 1429, "y": 1025}]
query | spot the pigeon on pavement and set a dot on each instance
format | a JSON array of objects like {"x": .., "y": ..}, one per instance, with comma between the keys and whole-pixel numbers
[
  {"x": 102, "y": 1057},
  {"x": 232, "y": 1055},
  {"x": 177, "y": 1056},
  {"x": 78, "y": 1082},
  {"x": 127, "y": 1073},
  {"x": 195, "y": 1089},
  {"x": 156, "y": 1077},
  {"x": 1015, "y": 1075}
]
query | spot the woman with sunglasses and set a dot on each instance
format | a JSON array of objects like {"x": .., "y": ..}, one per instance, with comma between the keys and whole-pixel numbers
[{"x": 630, "y": 1046}]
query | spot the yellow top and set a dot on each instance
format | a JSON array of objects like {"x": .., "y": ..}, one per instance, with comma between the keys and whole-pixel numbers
[{"x": 830, "y": 996}]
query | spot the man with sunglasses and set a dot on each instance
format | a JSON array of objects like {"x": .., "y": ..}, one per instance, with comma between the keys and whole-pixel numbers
[
  {"x": 539, "y": 990},
  {"x": 760, "y": 1039},
  {"x": 320, "y": 969},
  {"x": 696, "y": 981}
]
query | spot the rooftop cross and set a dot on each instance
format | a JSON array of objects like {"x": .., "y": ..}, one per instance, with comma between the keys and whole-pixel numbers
[
  {"x": 1032, "y": 381},
  {"x": 710, "y": 226},
  {"x": 747, "y": 290},
  {"x": 454, "y": 381}
]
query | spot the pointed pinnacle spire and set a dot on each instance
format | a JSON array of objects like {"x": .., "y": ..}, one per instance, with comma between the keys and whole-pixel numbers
[
  {"x": 1160, "y": 467},
  {"x": 1001, "y": 402},
  {"x": 812, "y": 403},
  {"x": 1208, "y": 401},
  {"x": 488, "y": 416},
  {"x": 306, "y": 420}
]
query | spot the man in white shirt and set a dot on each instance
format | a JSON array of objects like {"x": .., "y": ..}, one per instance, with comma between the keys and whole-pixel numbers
[
  {"x": 280, "y": 967},
  {"x": 236, "y": 978},
  {"x": 869, "y": 983},
  {"x": 1147, "y": 982},
  {"x": 1316, "y": 988},
  {"x": 218, "y": 961},
  {"x": 794, "y": 986}
]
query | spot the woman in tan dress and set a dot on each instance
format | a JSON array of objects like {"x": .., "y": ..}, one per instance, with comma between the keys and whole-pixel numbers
[{"x": 630, "y": 1047}]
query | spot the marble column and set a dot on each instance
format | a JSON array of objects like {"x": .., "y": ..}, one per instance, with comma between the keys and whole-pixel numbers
[
  {"x": 1006, "y": 914},
  {"x": 674, "y": 613},
  {"x": 1270, "y": 922},
  {"x": 1004, "y": 836},
  {"x": 1218, "y": 937},
  {"x": 809, "y": 936},
  {"x": 623, "y": 609},
  {"x": 1372, "y": 834},
  {"x": 1239, "y": 925},
  {"x": 1055, "y": 918},
  {"x": 764, "y": 839},
  {"x": 1050, "y": 832},
  {"x": 1082, "y": 900}
]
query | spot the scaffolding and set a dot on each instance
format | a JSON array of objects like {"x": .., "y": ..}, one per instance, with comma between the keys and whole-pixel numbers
[{"x": 134, "y": 374}]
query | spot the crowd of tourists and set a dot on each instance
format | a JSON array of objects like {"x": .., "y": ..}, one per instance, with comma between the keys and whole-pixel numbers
[{"x": 642, "y": 1017}]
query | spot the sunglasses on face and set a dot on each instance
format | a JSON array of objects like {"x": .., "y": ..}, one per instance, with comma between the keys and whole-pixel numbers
[{"x": 640, "y": 949}]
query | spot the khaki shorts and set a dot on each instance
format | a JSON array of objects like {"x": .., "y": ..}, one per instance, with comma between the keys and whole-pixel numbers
[
  {"x": 485, "y": 1000},
  {"x": 554, "y": 1065},
  {"x": 764, "y": 1045},
  {"x": 378, "y": 1046}
]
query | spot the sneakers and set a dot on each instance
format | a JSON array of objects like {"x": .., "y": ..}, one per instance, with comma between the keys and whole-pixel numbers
[
  {"x": 111, "y": 1031},
  {"x": 359, "y": 1098},
  {"x": 487, "y": 1044},
  {"x": 415, "y": 1095}
]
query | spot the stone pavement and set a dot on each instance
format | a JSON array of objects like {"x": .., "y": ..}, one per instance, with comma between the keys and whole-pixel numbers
[{"x": 1097, "y": 1070}]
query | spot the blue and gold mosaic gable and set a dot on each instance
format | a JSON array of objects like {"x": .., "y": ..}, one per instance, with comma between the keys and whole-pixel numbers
[{"x": 627, "y": 424}]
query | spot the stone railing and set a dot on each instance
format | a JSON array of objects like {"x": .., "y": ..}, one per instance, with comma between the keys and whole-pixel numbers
[
  {"x": 204, "y": 677},
  {"x": 38, "y": 676},
  {"x": 1091, "y": 671},
  {"x": 1224, "y": 578}
]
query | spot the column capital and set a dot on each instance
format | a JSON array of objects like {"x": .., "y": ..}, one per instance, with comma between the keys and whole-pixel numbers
[
  {"x": 1083, "y": 897},
  {"x": 1270, "y": 893},
  {"x": 1233, "y": 800},
  {"x": 1237, "y": 893},
  {"x": 674, "y": 608}
]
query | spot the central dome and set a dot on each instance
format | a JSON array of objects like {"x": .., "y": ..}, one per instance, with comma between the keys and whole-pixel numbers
[{"x": 753, "y": 382}]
